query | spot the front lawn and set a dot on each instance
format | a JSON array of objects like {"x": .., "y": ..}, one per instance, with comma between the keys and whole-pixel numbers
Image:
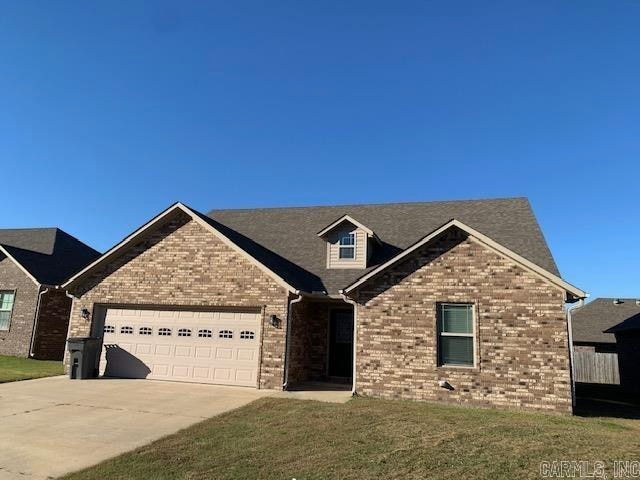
[
  {"x": 366, "y": 438},
  {"x": 16, "y": 368}
]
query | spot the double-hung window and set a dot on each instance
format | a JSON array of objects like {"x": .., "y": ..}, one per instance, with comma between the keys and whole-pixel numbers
[
  {"x": 6, "y": 307},
  {"x": 455, "y": 335},
  {"x": 347, "y": 247}
]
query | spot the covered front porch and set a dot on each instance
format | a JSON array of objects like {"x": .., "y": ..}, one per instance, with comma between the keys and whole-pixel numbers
[{"x": 320, "y": 345}]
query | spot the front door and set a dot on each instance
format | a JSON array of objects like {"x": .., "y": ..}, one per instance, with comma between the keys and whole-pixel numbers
[{"x": 341, "y": 343}]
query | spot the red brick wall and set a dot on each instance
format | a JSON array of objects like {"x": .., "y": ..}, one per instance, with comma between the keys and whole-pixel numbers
[{"x": 521, "y": 345}]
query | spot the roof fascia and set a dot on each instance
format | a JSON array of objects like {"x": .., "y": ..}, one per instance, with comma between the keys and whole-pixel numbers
[
  {"x": 194, "y": 216},
  {"x": 345, "y": 218},
  {"x": 117, "y": 247},
  {"x": 19, "y": 265},
  {"x": 484, "y": 240}
]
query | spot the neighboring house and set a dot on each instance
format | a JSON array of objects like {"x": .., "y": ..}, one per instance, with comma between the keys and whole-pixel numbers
[
  {"x": 34, "y": 313},
  {"x": 606, "y": 339},
  {"x": 446, "y": 301}
]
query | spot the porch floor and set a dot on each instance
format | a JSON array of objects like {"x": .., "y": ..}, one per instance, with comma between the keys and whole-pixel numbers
[{"x": 319, "y": 391}]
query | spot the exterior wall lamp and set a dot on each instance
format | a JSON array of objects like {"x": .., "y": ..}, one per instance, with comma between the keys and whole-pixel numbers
[{"x": 274, "y": 321}]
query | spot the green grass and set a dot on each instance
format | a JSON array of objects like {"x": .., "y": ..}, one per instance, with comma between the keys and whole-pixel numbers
[
  {"x": 13, "y": 369},
  {"x": 367, "y": 438}
]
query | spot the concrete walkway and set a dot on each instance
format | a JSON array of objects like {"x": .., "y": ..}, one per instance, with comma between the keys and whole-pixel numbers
[{"x": 52, "y": 426}]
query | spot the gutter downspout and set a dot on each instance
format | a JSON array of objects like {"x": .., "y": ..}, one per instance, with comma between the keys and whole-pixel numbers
[
  {"x": 35, "y": 321},
  {"x": 65, "y": 358},
  {"x": 287, "y": 349},
  {"x": 355, "y": 343},
  {"x": 573, "y": 369}
]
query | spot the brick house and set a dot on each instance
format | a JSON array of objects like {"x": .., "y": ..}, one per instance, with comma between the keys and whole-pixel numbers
[
  {"x": 444, "y": 301},
  {"x": 34, "y": 313}
]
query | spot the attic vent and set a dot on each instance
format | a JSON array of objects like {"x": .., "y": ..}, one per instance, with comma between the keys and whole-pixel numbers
[{"x": 617, "y": 301}]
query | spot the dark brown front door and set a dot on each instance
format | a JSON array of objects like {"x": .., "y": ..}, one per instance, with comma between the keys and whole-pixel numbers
[{"x": 341, "y": 343}]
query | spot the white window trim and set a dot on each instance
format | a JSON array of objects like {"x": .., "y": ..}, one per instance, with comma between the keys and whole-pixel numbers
[
  {"x": 353, "y": 246},
  {"x": 472, "y": 335},
  {"x": 13, "y": 304}
]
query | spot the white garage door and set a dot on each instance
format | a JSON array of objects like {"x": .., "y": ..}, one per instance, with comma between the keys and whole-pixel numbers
[{"x": 203, "y": 347}]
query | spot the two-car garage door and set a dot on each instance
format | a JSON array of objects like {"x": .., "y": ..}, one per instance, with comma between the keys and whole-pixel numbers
[{"x": 220, "y": 347}]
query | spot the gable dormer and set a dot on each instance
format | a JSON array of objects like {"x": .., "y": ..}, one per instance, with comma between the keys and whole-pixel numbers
[{"x": 348, "y": 243}]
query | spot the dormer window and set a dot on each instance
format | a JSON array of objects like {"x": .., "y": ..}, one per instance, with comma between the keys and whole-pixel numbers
[
  {"x": 349, "y": 243},
  {"x": 347, "y": 246}
]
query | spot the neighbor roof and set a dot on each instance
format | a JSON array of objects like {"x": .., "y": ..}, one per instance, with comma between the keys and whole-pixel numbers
[
  {"x": 48, "y": 255},
  {"x": 591, "y": 321},
  {"x": 290, "y": 234}
]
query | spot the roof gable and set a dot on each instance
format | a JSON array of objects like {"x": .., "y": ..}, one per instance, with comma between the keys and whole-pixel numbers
[
  {"x": 345, "y": 218},
  {"x": 481, "y": 238},
  {"x": 221, "y": 232},
  {"x": 7, "y": 252}
]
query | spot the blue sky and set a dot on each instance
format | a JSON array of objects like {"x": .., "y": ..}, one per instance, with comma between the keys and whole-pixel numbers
[{"x": 111, "y": 111}]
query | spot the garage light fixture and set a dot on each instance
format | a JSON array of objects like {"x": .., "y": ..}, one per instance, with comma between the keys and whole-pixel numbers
[
  {"x": 274, "y": 321},
  {"x": 84, "y": 313}
]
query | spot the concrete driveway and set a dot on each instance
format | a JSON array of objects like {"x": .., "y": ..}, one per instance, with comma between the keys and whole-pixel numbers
[{"x": 52, "y": 426}]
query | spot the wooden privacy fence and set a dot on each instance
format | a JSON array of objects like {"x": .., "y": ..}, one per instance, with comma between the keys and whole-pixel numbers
[{"x": 596, "y": 367}]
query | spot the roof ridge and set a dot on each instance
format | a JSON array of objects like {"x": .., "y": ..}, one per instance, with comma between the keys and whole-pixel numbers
[
  {"x": 616, "y": 298},
  {"x": 29, "y": 228},
  {"x": 348, "y": 205},
  {"x": 59, "y": 230}
]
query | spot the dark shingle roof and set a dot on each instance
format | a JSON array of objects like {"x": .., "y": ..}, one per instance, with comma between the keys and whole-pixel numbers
[
  {"x": 591, "y": 321},
  {"x": 49, "y": 254},
  {"x": 286, "y": 238}
]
